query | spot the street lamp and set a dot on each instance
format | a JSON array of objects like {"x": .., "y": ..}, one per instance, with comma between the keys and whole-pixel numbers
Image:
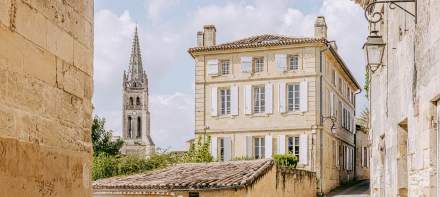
[{"x": 374, "y": 49}]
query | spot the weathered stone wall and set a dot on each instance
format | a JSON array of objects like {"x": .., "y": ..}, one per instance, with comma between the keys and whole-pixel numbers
[
  {"x": 362, "y": 170},
  {"x": 46, "y": 52},
  {"x": 403, "y": 100}
]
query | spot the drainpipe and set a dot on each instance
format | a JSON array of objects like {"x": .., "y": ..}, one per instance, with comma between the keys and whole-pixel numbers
[{"x": 321, "y": 164}]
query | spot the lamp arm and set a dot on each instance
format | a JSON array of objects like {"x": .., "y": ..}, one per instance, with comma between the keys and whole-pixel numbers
[{"x": 376, "y": 16}]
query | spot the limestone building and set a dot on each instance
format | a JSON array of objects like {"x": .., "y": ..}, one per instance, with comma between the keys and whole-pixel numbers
[
  {"x": 270, "y": 94},
  {"x": 46, "y": 88},
  {"x": 405, "y": 101},
  {"x": 135, "y": 109},
  {"x": 363, "y": 152}
]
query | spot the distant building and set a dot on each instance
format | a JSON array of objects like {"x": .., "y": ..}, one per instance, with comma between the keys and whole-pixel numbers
[
  {"x": 257, "y": 178},
  {"x": 363, "y": 153},
  {"x": 270, "y": 94},
  {"x": 136, "y": 115}
]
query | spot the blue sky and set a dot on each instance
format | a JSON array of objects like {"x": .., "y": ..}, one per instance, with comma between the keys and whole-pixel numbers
[{"x": 168, "y": 28}]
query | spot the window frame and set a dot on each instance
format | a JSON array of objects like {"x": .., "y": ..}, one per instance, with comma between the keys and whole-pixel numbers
[
  {"x": 224, "y": 71},
  {"x": 258, "y": 64},
  {"x": 259, "y": 147},
  {"x": 293, "y": 142},
  {"x": 259, "y": 99},
  {"x": 225, "y": 101},
  {"x": 290, "y": 66},
  {"x": 221, "y": 148},
  {"x": 293, "y": 97}
]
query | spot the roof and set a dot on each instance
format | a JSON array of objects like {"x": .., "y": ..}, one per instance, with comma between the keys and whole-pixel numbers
[
  {"x": 187, "y": 177},
  {"x": 267, "y": 40},
  {"x": 258, "y": 41}
]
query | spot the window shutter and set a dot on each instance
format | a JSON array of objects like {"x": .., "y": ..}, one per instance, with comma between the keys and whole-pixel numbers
[
  {"x": 214, "y": 147},
  {"x": 268, "y": 146},
  {"x": 234, "y": 100},
  {"x": 213, "y": 67},
  {"x": 228, "y": 148},
  {"x": 281, "y": 144},
  {"x": 303, "y": 149},
  {"x": 337, "y": 154},
  {"x": 249, "y": 147},
  {"x": 332, "y": 104},
  {"x": 347, "y": 155},
  {"x": 281, "y": 62},
  {"x": 213, "y": 101},
  {"x": 248, "y": 99},
  {"x": 269, "y": 98},
  {"x": 304, "y": 96},
  {"x": 282, "y": 97},
  {"x": 246, "y": 64}
]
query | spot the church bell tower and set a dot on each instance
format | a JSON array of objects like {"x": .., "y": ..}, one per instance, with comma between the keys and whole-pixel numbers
[{"x": 136, "y": 115}]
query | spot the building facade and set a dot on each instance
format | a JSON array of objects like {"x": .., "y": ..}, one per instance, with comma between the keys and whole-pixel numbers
[
  {"x": 135, "y": 109},
  {"x": 404, "y": 99},
  {"x": 272, "y": 94},
  {"x": 46, "y": 88}
]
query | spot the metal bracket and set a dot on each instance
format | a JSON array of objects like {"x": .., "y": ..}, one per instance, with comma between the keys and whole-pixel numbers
[{"x": 376, "y": 16}]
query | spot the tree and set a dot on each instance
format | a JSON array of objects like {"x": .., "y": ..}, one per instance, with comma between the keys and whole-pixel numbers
[
  {"x": 198, "y": 152},
  {"x": 102, "y": 139}
]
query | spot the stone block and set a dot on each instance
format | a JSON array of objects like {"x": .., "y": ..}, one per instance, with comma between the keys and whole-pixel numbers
[
  {"x": 11, "y": 56},
  {"x": 40, "y": 64},
  {"x": 5, "y": 6},
  {"x": 60, "y": 43},
  {"x": 30, "y": 24},
  {"x": 24, "y": 93},
  {"x": 81, "y": 59},
  {"x": 7, "y": 122}
]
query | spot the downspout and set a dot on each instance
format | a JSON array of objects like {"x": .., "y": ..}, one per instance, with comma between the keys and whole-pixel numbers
[{"x": 321, "y": 164}]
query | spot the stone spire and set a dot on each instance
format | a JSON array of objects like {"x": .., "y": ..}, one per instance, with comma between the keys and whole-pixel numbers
[{"x": 135, "y": 70}]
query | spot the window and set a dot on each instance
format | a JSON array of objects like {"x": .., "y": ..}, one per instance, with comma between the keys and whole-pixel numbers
[
  {"x": 334, "y": 77},
  {"x": 293, "y": 62},
  {"x": 259, "y": 99},
  {"x": 131, "y": 100},
  {"x": 340, "y": 84},
  {"x": 225, "y": 101},
  {"x": 348, "y": 92},
  {"x": 259, "y": 147},
  {"x": 221, "y": 148},
  {"x": 224, "y": 67},
  {"x": 365, "y": 159},
  {"x": 293, "y": 97},
  {"x": 139, "y": 129},
  {"x": 346, "y": 119},
  {"x": 129, "y": 127},
  {"x": 258, "y": 64},
  {"x": 193, "y": 194},
  {"x": 138, "y": 101},
  {"x": 293, "y": 145}
]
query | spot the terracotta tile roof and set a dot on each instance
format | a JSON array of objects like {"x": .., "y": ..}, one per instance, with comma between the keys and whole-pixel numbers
[
  {"x": 185, "y": 177},
  {"x": 258, "y": 41}
]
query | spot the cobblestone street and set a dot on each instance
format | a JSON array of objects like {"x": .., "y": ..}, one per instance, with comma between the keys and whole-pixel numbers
[{"x": 360, "y": 189}]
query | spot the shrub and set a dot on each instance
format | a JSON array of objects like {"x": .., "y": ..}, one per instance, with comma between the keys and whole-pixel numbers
[
  {"x": 198, "y": 152},
  {"x": 288, "y": 160}
]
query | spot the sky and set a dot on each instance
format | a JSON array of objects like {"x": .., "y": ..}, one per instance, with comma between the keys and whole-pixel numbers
[{"x": 167, "y": 28}]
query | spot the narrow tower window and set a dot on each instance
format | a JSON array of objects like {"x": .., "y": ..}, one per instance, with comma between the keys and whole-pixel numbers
[
  {"x": 129, "y": 127},
  {"x": 138, "y": 101},
  {"x": 131, "y": 100},
  {"x": 139, "y": 124}
]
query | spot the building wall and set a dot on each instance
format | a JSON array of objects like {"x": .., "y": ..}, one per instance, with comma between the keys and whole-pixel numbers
[
  {"x": 276, "y": 182},
  {"x": 403, "y": 100},
  {"x": 46, "y": 87}
]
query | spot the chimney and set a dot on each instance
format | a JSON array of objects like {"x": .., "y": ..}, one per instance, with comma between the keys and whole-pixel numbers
[
  {"x": 200, "y": 39},
  {"x": 209, "y": 35},
  {"x": 320, "y": 27}
]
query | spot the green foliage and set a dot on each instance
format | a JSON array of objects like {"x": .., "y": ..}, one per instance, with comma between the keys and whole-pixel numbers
[
  {"x": 198, "y": 152},
  {"x": 105, "y": 165},
  {"x": 288, "y": 160},
  {"x": 367, "y": 82},
  {"x": 102, "y": 139}
]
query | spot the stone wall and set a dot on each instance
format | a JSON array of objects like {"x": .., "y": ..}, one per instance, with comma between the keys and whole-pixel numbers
[
  {"x": 46, "y": 55},
  {"x": 404, "y": 96}
]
